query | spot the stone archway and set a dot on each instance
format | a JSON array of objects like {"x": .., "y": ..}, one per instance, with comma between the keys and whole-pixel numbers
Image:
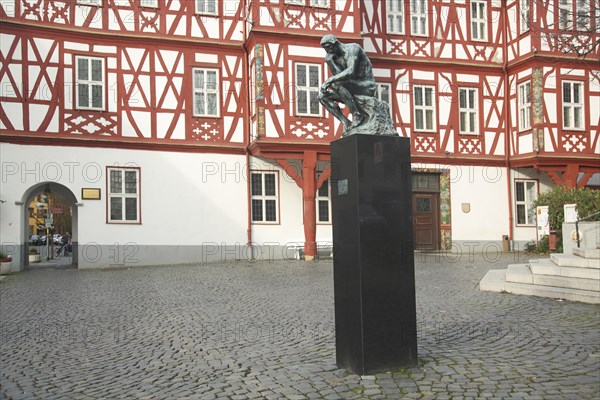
[{"x": 28, "y": 196}]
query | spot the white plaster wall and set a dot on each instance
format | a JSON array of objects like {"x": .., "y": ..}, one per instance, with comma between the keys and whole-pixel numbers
[
  {"x": 290, "y": 227},
  {"x": 484, "y": 188},
  {"x": 186, "y": 199},
  {"x": 324, "y": 233}
]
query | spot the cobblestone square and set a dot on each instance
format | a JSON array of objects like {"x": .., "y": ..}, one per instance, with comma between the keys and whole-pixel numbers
[{"x": 265, "y": 330}]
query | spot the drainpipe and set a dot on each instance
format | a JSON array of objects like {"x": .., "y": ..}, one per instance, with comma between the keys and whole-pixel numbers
[
  {"x": 507, "y": 120},
  {"x": 248, "y": 129}
]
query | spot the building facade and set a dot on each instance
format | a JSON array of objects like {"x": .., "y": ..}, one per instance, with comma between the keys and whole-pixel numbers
[{"x": 190, "y": 131}]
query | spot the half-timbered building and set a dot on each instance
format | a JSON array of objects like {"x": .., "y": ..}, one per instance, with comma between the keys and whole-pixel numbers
[{"x": 190, "y": 131}]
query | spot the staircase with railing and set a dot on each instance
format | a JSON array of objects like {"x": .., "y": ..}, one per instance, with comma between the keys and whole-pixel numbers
[{"x": 574, "y": 277}]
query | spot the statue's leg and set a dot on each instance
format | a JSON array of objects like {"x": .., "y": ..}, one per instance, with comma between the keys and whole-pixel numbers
[
  {"x": 347, "y": 98},
  {"x": 331, "y": 106}
]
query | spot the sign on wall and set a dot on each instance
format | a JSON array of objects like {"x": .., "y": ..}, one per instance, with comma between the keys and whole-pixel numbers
[
  {"x": 570, "y": 212},
  {"x": 543, "y": 224}
]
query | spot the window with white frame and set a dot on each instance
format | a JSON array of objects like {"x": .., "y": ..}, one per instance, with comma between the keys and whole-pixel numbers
[
  {"x": 264, "y": 197},
  {"x": 574, "y": 16},
  {"x": 383, "y": 93},
  {"x": 565, "y": 14},
  {"x": 525, "y": 15},
  {"x": 90, "y": 2},
  {"x": 467, "y": 108},
  {"x": 323, "y": 203},
  {"x": 583, "y": 14},
  {"x": 206, "y": 92},
  {"x": 90, "y": 83},
  {"x": 418, "y": 17},
  {"x": 206, "y": 6},
  {"x": 572, "y": 105},
  {"x": 307, "y": 89},
  {"x": 478, "y": 20},
  {"x": 124, "y": 195},
  {"x": 525, "y": 194},
  {"x": 299, "y": 2},
  {"x": 319, "y": 3},
  {"x": 424, "y": 108},
  {"x": 524, "y": 106},
  {"x": 395, "y": 16},
  {"x": 149, "y": 3}
]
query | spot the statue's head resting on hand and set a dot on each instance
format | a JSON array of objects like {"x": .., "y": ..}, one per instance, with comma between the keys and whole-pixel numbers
[{"x": 330, "y": 44}]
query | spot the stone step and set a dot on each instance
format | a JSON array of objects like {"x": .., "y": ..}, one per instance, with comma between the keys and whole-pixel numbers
[
  {"x": 587, "y": 253},
  {"x": 521, "y": 273},
  {"x": 566, "y": 260},
  {"x": 544, "y": 266},
  {"x": 495, "y": 281}
]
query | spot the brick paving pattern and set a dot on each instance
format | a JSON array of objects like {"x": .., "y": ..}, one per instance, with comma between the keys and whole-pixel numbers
[{"x": 265, "y": 330}]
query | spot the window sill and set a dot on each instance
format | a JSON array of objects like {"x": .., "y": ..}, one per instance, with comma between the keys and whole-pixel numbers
[
  {"x": 303, "y": 5},
  {"x": 207, "y": 116},
  {"x": 428, "y": 132},
  {"x": 308, "y": 116},
  {"x": 100, "y": 110}
]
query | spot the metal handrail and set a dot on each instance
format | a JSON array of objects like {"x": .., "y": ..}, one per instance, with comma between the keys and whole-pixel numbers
[{"x": 582, "y": 219}]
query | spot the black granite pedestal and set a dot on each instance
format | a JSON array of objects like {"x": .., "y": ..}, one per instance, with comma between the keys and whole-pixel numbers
[{"x": 374, "y": 279}]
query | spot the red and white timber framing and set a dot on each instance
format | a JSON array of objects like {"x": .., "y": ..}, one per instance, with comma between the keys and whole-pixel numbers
[
  {"x": 169, "y": 19},
  {"x": 282, "y": 36},
  {"x": 562, "y": 153},
  {"x": 448, "y": 36},
  {"x": 147, "y": 92}
]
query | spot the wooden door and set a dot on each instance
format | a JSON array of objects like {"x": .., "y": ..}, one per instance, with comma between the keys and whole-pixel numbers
[{"x": 426, "y": 227}]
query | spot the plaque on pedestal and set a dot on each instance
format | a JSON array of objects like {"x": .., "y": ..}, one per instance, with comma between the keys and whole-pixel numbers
[{"x": 374, "y": 281}]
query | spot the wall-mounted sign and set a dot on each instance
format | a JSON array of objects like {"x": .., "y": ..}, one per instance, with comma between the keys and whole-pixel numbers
[
  {"x": 543, "y": 223},
  {"x": 342, "y": 187},
  {"x": 90, "y": 194},
  {"x": 570, "y": 212}
]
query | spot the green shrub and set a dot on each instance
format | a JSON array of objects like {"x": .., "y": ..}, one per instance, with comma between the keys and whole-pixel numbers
[
  {"x": 543, "y": 246},
  {"x": 587, "y": 200}
]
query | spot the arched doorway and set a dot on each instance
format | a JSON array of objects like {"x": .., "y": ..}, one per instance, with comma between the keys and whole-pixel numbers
[{"x": 69, "y": 200}]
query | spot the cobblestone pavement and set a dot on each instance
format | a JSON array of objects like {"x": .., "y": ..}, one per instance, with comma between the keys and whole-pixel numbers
[{"x": 266, "y": 330}]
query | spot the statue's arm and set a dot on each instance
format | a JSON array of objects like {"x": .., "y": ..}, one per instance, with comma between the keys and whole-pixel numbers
[{"x": 348, "y": 73}]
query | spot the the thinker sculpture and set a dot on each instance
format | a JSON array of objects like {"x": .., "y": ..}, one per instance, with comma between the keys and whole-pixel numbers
[{"x": 353, "y": 84}]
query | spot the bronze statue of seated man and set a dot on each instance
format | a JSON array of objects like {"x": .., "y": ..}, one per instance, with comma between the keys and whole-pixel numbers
[{"x": 352, "y": 75}]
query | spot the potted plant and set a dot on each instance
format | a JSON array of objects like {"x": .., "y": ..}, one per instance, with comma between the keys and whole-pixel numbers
[
  {"x": 5, "y": 263},
  {"x": 34, "y": 255}
]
